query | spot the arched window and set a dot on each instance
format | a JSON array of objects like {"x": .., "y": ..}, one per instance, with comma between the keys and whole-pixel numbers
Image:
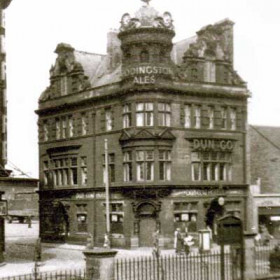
[{"x": 144, "y": 56}]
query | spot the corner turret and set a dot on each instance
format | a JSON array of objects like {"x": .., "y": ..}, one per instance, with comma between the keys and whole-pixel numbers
[{"x": 146, "y": 43}]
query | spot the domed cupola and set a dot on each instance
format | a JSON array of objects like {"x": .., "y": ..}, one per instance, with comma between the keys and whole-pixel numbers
[{"x": 146, "y": 43}]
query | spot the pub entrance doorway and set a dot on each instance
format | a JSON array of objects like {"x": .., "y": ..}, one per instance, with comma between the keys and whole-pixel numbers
[
  {"x": 147, "y": 229},
  {"x": 147, "y": 224}
]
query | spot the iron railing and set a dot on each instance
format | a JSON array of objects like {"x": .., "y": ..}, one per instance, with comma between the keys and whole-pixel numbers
[
  {"x": 57, "y": 275},
  {"x": 195, "y": 266}
]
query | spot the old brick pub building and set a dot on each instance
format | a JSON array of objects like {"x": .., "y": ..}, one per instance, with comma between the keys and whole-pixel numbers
[{"x": 175, "y": 118}]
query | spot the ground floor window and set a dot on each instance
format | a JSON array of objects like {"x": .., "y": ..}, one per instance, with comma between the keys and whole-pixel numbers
[
  {"x": 81, "y": 217},
  {"x": 116, "y": 217},
  {"x": 82, "y": 222},
  {"x": 185, "y": 216}
]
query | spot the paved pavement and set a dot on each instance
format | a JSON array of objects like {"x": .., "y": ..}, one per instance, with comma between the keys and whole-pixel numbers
[{"x": 55, "y": 256}]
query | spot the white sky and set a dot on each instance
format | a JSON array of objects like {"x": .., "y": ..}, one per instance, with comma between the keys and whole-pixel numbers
[{"x": 35, "y": 27}]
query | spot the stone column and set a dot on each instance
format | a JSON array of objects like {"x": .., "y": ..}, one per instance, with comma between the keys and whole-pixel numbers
[
  {"x": 249, "y": 256},
  {"x": 100, "y": 263}
]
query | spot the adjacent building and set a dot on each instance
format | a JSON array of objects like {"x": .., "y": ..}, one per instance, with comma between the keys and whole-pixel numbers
[
  {"x": 175, "y": 119},
  {"x": 17, "y": 191},
  {"x": 3, "y": 92},
  {"x": 265, "y": 176}
]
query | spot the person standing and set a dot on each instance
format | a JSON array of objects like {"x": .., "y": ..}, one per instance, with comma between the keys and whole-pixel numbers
[
  {"x": 177, "y": 240},
  {"x": 156, "y": 251},
  {"x": 188, "y": 242}
]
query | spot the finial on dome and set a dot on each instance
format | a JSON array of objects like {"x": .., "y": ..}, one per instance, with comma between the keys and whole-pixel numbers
[{"x": 146, "y": 1}]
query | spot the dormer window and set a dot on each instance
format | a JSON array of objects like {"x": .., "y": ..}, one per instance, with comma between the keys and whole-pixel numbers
[
  {"x": 64, "y": 85},
  {"x": 144, "y": 56},
  {"x": 210, "y": 72}
]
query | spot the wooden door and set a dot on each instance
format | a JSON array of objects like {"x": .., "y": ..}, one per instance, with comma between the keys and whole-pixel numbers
[{"x": 147, "y": 229}]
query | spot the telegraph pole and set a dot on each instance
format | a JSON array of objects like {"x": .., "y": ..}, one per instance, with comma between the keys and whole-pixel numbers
[{"x": 106, "y": 175}]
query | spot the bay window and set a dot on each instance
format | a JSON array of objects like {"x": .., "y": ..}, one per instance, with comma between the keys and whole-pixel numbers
[
  {"x": 145, "y": 165},
  {"x": 164, "y": 165}
]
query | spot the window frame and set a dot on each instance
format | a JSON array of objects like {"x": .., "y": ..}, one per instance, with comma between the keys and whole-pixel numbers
[
  {"x": 127, "y": 116},
  {"x": 212, "y": 168},
  {"x": 146, "y": 114},
  {"x": 197, "y": 117},
  {"x": 145, "y": 167},
  {"x": 164, "y": 114},
  {"x": 165, "y": 164}
]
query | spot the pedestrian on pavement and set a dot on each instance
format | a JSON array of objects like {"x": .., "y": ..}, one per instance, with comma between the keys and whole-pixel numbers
[
  {"x": 156, "y": 251},
  {"x": 178, "y": 240},
  {"x": 188, "y": 242}
]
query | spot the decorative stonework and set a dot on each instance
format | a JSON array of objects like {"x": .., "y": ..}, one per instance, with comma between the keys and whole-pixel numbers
[
  {"x": 145, "y": 134},
  {"x": 66, "y": 76},
  {"x": 146, "y": 16}
]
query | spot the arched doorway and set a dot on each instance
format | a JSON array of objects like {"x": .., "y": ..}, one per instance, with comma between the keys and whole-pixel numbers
[
  {"x": 61, "y": 221},
  {"x": 147, "y": 224}
]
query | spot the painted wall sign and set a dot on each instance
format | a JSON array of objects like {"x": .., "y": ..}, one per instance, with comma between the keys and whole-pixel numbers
[
  {"x": 197, "y": 192},
  {"x": 205, "y": 192},
  {"x": 212, "y": 144},
  {"x": 145, "y": 74},
  {"x": 99, "y": 195}
]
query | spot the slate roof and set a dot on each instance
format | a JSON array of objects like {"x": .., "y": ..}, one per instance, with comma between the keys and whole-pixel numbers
[
  {"x": 271, "y": 134},
  {"x": 179, "y": 48},
  {"x": 92, "y": 63},
  {"x": 96, "y": 65}
]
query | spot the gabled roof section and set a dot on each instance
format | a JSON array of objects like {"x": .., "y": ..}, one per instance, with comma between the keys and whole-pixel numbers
[{"x": 82, "y": 69}]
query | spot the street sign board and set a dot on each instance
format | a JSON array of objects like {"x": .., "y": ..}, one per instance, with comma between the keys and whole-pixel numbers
[{"x": 229, "y": 230}]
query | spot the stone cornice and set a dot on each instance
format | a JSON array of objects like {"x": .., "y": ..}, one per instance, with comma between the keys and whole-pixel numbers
[{"x": 112, "y": 90}]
